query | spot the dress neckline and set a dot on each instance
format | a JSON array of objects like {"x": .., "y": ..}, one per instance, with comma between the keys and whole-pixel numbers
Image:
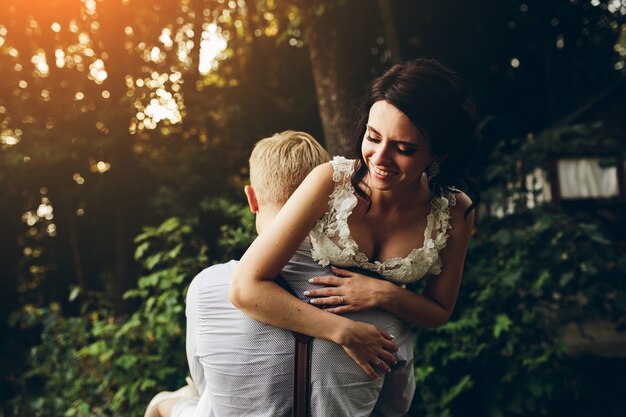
[
  {"x": 363, "y": 258},
  {"x": 332, "y": 241}
]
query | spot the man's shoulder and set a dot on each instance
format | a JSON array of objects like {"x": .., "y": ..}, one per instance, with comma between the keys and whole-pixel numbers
[{"x": 214, "y": 272}]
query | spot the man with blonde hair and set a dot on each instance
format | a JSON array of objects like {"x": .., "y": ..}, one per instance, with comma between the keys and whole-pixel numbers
[{"x": 243, "y": 367}]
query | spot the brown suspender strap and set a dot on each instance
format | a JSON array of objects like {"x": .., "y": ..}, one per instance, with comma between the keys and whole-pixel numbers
[
  {"x": 301, "y": 406},
  {"x": 302, "y": 375}
]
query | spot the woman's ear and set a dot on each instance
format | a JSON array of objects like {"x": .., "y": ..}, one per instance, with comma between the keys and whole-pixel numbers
[{"x": 251, "y": 196}]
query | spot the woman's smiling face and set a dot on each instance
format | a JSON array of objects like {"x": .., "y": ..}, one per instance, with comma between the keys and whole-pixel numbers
[{"x": 394, "y": 150}]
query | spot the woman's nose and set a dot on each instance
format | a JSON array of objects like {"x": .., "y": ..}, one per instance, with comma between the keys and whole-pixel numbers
[{"x": 381, "y": 154}]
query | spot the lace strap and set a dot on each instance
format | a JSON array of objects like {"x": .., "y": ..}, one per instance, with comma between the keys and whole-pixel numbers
[
  {"x": 342, "y": 169},
  {"x": 340, "y": 204},
  {"x": 438, "y": 221}
]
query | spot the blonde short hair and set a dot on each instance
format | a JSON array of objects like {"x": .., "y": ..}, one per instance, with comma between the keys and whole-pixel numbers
[{"x": 278, "y": 165}]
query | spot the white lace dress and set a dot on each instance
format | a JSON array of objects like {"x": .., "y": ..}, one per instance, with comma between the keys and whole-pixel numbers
[{"x": 334, "y": 245}]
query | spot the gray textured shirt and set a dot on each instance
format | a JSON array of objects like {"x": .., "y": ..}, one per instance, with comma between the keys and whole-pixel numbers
[{"x": 243, "y": 367}]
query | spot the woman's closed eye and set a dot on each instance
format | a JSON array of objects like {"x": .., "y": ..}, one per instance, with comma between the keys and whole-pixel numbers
[
  {"x": 406, "y": 149},
  {"x": 400, "y": 147}
]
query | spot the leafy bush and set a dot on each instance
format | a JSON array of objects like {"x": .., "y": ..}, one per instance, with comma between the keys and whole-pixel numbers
[
  {"x": 500, "y": 355},
  {"x": 99, "y": 364}
]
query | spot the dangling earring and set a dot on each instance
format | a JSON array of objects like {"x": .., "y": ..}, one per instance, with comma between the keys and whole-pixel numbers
[{"x": 433, "y": 169}]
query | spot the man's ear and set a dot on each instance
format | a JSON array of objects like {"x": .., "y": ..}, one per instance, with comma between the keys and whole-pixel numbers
[{"x": 251, "y": 196}]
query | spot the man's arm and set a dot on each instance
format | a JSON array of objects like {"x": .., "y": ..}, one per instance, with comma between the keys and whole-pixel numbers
[{"x": 191, "y": 311}]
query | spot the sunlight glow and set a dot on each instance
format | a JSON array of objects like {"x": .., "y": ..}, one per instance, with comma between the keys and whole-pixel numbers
[
  {"x": 59, "y": 55},
  {"x": 90, "y": 6},
  {"x": 184, "y": 44},
  {"x": 560, "y": 42},
  {"x": 155, "y": 55},
  {"x": 84, "y": 39},
  {"x": 56, "y": 27},
  {"x": 40, "y": 63},
  {"x": 97, "y": 72},
  {"x": 30, "y": 218},
  {"x": 617, "y": 6},
  {"x": 43, "y": 214},
  {"x": 45, "y": 210},
  {"x": 163, "y": 107},
  {"x": 9, "y": 137},
  {"x": 212, "y": 46},
  {"x": 99, "y": 167},
  {"x": 166, "y": 38},
  {"x": 78, "y": 178}
]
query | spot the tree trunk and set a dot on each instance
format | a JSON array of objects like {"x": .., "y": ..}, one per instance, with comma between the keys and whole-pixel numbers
[
  {"x": 337, "y": 83},
  {"x": 389, "y": 28}
]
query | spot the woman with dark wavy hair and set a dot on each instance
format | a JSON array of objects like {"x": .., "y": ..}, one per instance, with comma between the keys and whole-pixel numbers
[{"x": 393, "y": 216}]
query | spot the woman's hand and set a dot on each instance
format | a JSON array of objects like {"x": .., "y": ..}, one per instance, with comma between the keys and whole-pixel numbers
[
  {"x": 370, "y": 347},
  {"x": 348, "y": 292}
]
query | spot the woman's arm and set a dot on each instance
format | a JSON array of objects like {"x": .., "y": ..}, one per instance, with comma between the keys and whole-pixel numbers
[
  {"x": 254, "y": 291},
  {"x": 432, "y": 308}
]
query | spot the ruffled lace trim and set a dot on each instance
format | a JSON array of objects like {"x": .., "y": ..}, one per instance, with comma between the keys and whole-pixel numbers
[{"x": 333, "y": 243}]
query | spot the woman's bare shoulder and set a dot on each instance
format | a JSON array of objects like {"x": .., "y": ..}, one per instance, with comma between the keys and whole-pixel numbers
[
  {"x": 463, "y": 202},
  {"x": 321, "y": 176}
]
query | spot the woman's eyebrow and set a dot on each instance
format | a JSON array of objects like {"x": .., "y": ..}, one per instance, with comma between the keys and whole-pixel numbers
[
  {"x": 402, "y": 142},
  {"x": 373, "y": 130}
]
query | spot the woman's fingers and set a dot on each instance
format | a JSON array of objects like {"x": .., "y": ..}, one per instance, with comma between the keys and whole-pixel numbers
[
  {"x": 369, "y": 371},
  {"x": 341, "y": 272},
  {"x": 370, "y": 347},
  {"x": 340, "y": 309},
  {"x": 327, "y": 280},
  {"x": 386, "y": 334},
  {"x": 321, "y": 292},
  {"x": 387, "y": 357},
  {"x": 334, "y": 300},
  {"x": 389, "y": 346},
  {"x": 382, "y": 365}
]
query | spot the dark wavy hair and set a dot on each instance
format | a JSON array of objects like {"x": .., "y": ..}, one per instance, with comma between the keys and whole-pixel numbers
[{"x": 436, "y": 100}]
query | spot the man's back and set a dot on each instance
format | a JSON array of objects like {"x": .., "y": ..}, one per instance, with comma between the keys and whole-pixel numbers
[{"x": 246, "y": 364}]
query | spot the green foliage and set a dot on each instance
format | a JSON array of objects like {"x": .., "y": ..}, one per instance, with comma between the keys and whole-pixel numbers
[
  {"x": 237, "y": 231},
  {"x": 100, "y": 364},
  {"x": 527, "y": 275}
]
